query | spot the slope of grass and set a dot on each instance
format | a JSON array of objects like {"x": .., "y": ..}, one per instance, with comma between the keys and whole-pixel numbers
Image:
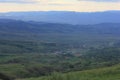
[{"x": 109, "y": 73}]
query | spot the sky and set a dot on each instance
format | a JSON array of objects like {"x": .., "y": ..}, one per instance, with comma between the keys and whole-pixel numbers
[{"x": 59, "y": 5}]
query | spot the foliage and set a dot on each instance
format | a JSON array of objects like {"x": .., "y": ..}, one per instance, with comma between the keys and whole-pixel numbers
[{"x": 108, "y": 73}]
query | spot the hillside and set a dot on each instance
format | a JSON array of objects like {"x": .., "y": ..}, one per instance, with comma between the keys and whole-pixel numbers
[
  {"x": 28, "y": 59},
  {"x": 108, "y": 73},
  {"x": 36, "y": 49},
  {"x": 17, "y": 26},
  {"x": 16, "y": 29}
]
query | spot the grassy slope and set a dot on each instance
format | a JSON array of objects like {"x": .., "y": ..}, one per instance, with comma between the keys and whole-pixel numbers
[{"x": 109, "y": 73}]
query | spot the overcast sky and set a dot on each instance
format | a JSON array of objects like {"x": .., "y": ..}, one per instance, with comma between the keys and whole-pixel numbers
[{"x": 59, "y": 5}]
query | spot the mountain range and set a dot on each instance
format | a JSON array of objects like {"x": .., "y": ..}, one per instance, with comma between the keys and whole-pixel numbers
[
  {"x": 66, "y": 17},
  {"x": 17, "y": 28}
]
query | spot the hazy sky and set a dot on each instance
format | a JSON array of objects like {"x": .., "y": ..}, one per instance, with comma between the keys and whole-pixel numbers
[{"x": 59, "y": 5}]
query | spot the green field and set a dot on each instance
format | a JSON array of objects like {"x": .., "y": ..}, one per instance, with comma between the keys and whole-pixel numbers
[
  {"x": 32, "y": 60},
  {"x": 108, "y": 73}
]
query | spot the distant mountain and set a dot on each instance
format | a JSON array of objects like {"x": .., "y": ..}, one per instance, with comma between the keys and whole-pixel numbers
[
  {"x": 16, "y": 28},
  {"x": 66, "y": 17}
]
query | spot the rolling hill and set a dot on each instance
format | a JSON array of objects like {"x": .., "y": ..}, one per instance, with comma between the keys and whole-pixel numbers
[
  {"x": 17, "y": 27},
  {"x": 23, "y": 43}
]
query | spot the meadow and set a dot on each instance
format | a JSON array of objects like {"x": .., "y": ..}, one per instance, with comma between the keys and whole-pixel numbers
[{"x": 108, "y": 73}]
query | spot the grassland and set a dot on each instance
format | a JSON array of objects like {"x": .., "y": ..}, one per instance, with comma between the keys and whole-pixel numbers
[
  {"x": 30, "y": 60},
  {"x": 108, "y": 73}
]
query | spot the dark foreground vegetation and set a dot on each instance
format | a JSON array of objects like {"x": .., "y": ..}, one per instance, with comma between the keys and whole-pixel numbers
[{"x": 26, "y": 59}]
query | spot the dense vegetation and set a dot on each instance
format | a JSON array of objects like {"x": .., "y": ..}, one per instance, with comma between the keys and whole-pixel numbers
[
  {"x": 58, "y": 51},
  {"x": 24, "y": 59},
  {"x": 108, "y": 73}
]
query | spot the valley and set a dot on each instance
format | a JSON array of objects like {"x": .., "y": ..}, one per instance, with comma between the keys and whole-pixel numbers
[{"x": 52, "y": 51}]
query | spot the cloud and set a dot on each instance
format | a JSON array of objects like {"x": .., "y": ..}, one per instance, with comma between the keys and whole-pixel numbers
[
  {"x": 102, "y": 0},
  {"x": 17, "y": 1},
  {"x": 59, "y": 5},
  {"x": 39, "y": 1}
]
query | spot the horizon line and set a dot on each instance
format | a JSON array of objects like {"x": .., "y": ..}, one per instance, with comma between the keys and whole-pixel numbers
[{"x": 60, "y": 11}]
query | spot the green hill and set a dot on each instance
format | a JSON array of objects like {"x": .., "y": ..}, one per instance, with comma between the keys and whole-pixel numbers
[{"x": 108, "y": 73}]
